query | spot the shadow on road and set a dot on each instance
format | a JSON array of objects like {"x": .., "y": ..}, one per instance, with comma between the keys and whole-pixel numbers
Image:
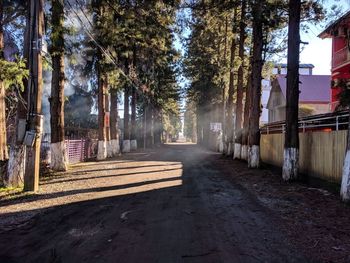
[{"x": 165, "y": 205}]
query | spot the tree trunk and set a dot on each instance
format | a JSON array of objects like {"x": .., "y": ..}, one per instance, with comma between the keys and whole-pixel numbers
[
  {"x": 58, "y": 148},
  {"x": 247, "y": 107},
  {"x": 199, "y": 127},
  {"x": 231, "y": 92},
  {"x": 240, "y": 86},
  {"x": 158, "y": 127},
  {"x": 114, "y": 123},
  {"x": 225, "y": 147},
  {"x": 291, "y": 143},
  {"x": 149, "y": 127},
  {"x": 126, "y": 139},
  {"x": 108, "y": 119},
  {"x": 345, "y": 182},
  {"x": 102, "y": 144},
  {"x": 144, "y": 126},
  {"x": 16, "y": 163},
  {"x": 254, "y": 132},
  {"x": 3, "y": 135},
  {"x": 133, "y": 141},
  {"x": 194, "y": 138}
]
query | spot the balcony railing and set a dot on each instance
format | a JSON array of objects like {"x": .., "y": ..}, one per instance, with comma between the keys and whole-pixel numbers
[{"x": 340, "y": 57}]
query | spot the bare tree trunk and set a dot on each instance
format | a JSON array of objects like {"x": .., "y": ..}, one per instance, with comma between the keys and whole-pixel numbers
[
  {"x": 133, "y": 141},
  {"x": 149, "y": 128},
  {"x": 3, "y": 135},
  {"x": 158, "y": 128},
  {"x": 291, "y": 143},
  {"x": 144, "y": 126},
  {"x": 114, "y": 123},
  {"x": 247, "y": 108},
  {"x": 345, "y": 183},
  {"x": 194, "y": 138},
  {"x": 126, "y": 139},
  {"x": 58, "y": 148},
  {"x": 224, "y": 120},
  {"x": 16, "y": 163},
  {"x": 108, "y": 118},
  {"x": 240, "y": 85},
  {"x": 231, "y": 92},
  {"x": 199, "y": 127},
  {"x": 254, "y": 132},
  {"x": 102, "y": 144}
]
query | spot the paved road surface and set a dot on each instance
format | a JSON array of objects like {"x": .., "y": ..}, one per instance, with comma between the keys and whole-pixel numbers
[{"x": 170, "y": 204}]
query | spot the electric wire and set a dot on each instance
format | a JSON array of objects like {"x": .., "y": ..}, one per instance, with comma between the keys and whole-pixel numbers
[{"x": 104, "y": 51}]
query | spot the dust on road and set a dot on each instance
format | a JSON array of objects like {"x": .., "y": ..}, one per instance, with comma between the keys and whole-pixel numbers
[{"x": 170, "y": 204}]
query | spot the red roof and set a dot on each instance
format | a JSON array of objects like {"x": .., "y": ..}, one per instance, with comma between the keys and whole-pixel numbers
[{"x": 313, "y": 88}]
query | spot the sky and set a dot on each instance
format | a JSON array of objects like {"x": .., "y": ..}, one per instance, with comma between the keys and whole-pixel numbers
[{"x": 319, "y": 51}]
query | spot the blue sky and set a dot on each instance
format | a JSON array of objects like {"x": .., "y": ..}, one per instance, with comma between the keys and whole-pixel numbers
[{"x": 319, "y": 51}]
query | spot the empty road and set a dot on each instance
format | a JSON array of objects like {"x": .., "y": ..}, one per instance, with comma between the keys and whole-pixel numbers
[{"x": 169, "y": 204}]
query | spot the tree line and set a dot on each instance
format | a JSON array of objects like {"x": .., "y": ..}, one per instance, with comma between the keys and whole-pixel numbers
[
  {"x": 119, "y": 48},
  {"x": 228, "y": 52}
]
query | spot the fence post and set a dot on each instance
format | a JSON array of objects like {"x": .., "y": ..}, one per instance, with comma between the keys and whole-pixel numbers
[
  {"x": 67, "y": 150},
  {"x": 81, "y": 150},
  {"x": 336, "y": 124}
]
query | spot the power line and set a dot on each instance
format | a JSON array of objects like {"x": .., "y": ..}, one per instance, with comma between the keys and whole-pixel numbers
[
  {"x": 81, "y": 9},
  {"x": 91, "y": 36},
  {"x": 104, "y": 51}
]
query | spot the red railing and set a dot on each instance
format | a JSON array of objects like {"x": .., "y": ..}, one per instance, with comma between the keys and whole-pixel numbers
[{"x": 340, "y": 57}]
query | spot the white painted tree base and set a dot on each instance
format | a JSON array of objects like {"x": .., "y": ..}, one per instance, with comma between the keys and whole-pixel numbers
[
  {"x": 290, "y": 164},
  {"x": 133, "y": 145},
  {"x": 126, "y": 146},
  {"x": 254, "y": 156},
  {"x": 58, "y": 158},
  {"x": 15, "y": 166},
  {"x": 109, "y": 149},
  {"x": 229, "y": 149},
  {"x": 244, "y": 152},
  {"x": 221, "y": 147},
  {"x": 345, "y": 181},
  {"x": 115, "y": 147},
  {"x": 101, "y": 150},
  {"x": 237, "y": 152}
]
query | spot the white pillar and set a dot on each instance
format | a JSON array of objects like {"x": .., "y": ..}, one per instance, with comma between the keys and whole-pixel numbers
[{"x": 102, "y": 150}]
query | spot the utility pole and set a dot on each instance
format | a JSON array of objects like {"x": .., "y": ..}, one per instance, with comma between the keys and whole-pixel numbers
[
  {"x": 3, "y": 143},
  {"x": 145, "y": 129},
  {"x": 34, "y": 119}
]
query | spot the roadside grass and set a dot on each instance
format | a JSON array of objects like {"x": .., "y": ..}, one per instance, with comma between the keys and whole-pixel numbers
[{"x": 7, "y": 191}]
